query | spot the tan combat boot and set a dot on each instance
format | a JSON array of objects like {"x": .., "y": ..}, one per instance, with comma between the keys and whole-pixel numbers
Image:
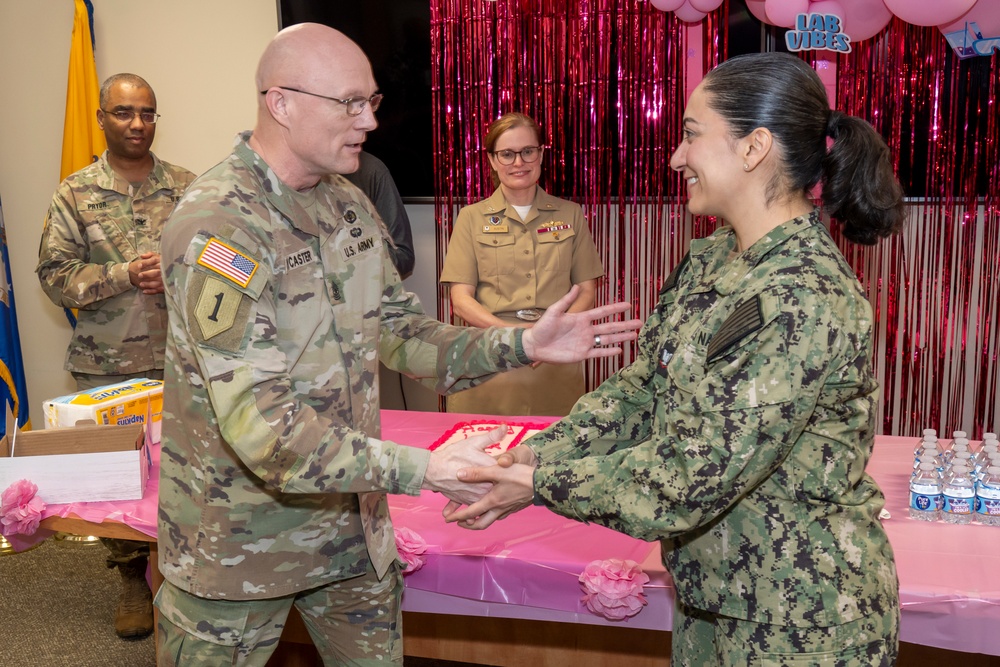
[{"x": 134, "y": 616}]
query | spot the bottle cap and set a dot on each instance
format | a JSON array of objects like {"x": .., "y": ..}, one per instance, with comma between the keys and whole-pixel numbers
[
  {"x": 929, "y": 431},
  {"x": 959, "y": 434},
  {"x": 992, "y": 470},
  {"x": 927, "y": 465}
]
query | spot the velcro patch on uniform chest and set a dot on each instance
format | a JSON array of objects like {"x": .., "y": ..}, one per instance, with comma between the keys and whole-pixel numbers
[
  {"x": 745, "y": 320},
  {"x": 227, "y": 262}
]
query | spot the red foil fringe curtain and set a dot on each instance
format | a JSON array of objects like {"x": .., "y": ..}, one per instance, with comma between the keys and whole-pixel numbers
[
  {"x": 935, "y": 288},
  {"x": 606, "y": 80}
]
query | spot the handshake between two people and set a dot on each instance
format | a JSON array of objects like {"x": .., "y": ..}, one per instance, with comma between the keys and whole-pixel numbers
[{"x": 482, "y": 489}]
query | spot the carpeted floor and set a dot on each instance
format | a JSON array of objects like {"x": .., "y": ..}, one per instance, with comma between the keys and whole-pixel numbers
[{"x": 57, "y": 605}]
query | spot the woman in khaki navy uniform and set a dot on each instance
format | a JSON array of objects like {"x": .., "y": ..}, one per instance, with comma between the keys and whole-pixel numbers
[{"x": 510, "y": 257}]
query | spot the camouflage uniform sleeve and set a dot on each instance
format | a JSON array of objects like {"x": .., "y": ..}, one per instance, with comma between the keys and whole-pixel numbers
[
  {"x": 64, "y": 270},
  {"x": 615, "y": 416},
  {"x": 717, "y": 432},
  {"x": 258, "y": 407},
  {"x": 442, "y": 357}
]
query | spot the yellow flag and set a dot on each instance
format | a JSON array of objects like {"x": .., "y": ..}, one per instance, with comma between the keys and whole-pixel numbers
[{"x": 83, "y": 140}]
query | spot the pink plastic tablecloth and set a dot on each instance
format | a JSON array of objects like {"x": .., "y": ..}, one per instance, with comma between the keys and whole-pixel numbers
[{"x": 527, "y": 566}]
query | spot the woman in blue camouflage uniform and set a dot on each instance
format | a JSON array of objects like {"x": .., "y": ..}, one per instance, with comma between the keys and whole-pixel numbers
[{"x": 739, "y": 436}]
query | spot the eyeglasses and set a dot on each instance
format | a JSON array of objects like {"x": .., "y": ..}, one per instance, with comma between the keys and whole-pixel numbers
[
  {"x": 126, "y": 116},
  {"x": 355, "y": 105},
  {"x": 528, "y": 154}
]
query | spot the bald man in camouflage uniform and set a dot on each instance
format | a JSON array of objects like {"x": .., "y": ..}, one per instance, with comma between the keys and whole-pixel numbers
[
  {"x": 282, "y": 298},
  {"x": 100, "y": 254}
]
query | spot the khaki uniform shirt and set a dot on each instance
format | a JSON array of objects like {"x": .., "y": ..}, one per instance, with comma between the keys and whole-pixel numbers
[
  {"x": 739, "y": 436},
  {"x": 95, "y": 226},
  {"x": 273, "y": 476},
  {"x": 515, "y": 264}
]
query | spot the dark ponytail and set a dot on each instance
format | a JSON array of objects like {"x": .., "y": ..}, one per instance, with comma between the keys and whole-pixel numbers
[
  {"x": 784, "y": 94},
  {"x": 859, "y": 186}
]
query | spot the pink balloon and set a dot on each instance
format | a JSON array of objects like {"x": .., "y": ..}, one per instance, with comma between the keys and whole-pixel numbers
[
  {"x": 929, "y": 12},
  {"x": 688, "y": 14},
  {"x": 828, "y": 7},
  {"x": 756, "y": 8},
  {"x": 705, "y": 5},
  {"x": 666, "y": 5},
  {"x": 783, "y": 12},
  {"x": 864, "y": 19},
  {"x": 985, "y": 14}
]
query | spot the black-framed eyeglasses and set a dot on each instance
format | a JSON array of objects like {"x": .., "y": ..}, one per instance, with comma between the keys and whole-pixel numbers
[
  {"x": 355, "y": 105},
  {"x": 126, "y": 116},
  {"x": 528, "y": 154}
]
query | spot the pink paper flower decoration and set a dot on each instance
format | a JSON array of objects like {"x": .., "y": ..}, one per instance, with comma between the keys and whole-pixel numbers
[
  {"x": 614, "y": 588},
  {"x": 20, "y": 508},
  {"x": 411, "y": 548}
]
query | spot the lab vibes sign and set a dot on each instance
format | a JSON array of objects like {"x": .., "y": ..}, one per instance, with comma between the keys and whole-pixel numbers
[{"x": 818, "y": 32}]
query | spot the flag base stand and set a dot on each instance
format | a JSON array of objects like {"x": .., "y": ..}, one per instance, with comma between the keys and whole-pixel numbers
[
  {"x": 77, "y": 539},
  {"x": 7, "y": 549}
]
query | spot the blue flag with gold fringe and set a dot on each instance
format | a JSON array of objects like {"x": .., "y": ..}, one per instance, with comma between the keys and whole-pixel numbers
[{"x": 13, "y": 390}]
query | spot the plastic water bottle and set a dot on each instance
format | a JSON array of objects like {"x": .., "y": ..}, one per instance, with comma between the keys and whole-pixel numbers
[
  {"x": 982, "y": 457},
  {"x": 962, "y": 458},
  {"x": 932, "y": 454},
  {"x": 929, "y": 440},
  {"x": 925, "y": 493},
  {"x": 959, "y": 496},
  {"x": 930, "y": 436},
  {"x": 988, "y": 498},
  {"x": 956, "y": 448}
]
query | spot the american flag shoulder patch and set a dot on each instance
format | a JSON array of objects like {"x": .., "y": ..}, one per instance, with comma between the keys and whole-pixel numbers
[{"x": 228, "y": 262}]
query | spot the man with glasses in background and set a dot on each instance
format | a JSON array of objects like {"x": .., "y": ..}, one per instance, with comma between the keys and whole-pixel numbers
[
  {"x": 282, "y": 299},
  {"x": 100, "y": 254}
]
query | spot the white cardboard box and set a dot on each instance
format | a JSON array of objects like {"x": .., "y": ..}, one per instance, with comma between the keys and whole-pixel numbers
[{"x": 83, "y": 463}]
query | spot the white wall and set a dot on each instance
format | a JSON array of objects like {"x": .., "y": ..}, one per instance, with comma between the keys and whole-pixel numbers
[{"x": 199, "y": 56}]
